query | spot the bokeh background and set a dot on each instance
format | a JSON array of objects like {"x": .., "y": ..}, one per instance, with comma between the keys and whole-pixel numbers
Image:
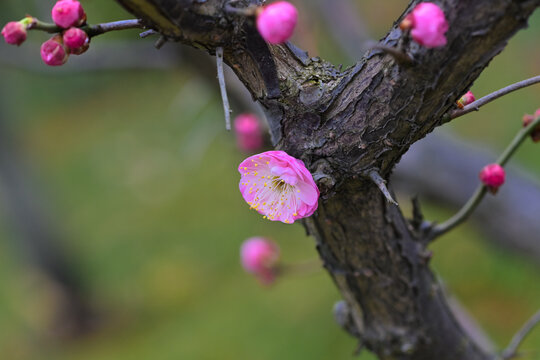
[{"x": 124, "y": 153}]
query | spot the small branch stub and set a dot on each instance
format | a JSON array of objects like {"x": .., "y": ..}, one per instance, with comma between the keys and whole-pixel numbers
[
  {"x": 381, "y": 183},
  {"x": 222, "y": 87}
]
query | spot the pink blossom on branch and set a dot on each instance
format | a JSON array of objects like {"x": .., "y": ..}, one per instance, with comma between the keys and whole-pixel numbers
[
  {"x": 14, "y": 33},
  {"x": 53, "y": 52},
  {"x": 260, "y": 256},
  {"x": 492, "y": 176},
  {"x": 248, "y": 131},
  {"x": 276, "y": 22},
  {"x": 466, "y": 99},
  {"x": 68, "y": 13},
  {"x": 278, "y": 186},
  {"x": 428, "y": 25}
]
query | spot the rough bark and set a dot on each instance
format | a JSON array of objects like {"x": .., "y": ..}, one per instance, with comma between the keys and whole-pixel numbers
[{"x": 344, "y": 124}]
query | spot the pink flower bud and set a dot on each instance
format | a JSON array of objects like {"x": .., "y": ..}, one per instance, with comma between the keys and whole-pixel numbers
[
  {"x": 466, "y": 100},
  {"x": 259, "y": 256},
  {"x": 14, "y": 33},
  {"x": 492, "y": 176},
  {"x": 68, "y": 13},
  {"x": 276, "y": 22},
  {"x": 527, "y": 119},
  {"x": 428, "y": 25},
  {"x": 53, "y": 52},
  {"x": 75, "y": 39},
  {"x": 248, "y": 130},
  {"x": 278, "y": 186}
]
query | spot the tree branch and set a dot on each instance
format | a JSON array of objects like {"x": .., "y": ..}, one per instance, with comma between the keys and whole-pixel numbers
[
  {"x": 511, "y": 351},
  {"x": 478, "y": 195},
  {"x": 343, "y": 123},
  {"x": 474, "y": 106}
]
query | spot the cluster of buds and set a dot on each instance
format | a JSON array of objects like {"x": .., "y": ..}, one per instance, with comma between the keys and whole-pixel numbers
[
  {"x": 260, "y": 257},
  {"x": 427, "y": 24},
  {"x": 276, "y": 22},
  {"x": 527, "y": 120},
  {"x": 69, "y": 17}
]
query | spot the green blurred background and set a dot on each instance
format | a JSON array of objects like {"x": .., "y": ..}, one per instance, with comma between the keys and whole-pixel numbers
[{"x": 140, "y": 177}]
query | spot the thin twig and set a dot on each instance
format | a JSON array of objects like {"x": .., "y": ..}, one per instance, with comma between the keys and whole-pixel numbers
[
  {"x": 91, "y": 30},
  {"x": 99, "y": 29},
  {"x": 511, "y": 351},
  {"x": 307, "y": 267},
  {"x": 381, "y": 183},
  {"x": 160, "y": 42},
  {"x": 398, "y": 55},
  {"x": 222, "y": 88},
  {"x": 247, "y": 11},
  {"x": 147, "y": 33},
  {"x": 474, "y": 106},
  {"x": 467, "y": 209}
]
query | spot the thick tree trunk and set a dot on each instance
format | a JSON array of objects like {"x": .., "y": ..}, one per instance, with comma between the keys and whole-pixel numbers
[{"x": 344, "y": 124}]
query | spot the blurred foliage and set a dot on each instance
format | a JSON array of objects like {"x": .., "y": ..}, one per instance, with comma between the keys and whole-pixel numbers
[{"x": 140, "y": 176}]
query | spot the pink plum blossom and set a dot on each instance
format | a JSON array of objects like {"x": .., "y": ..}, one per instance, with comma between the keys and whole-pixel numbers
[
  {"x": 248, "y": 131},
  {"x": 276, "y": 22},
  {"x": 74, "y": 39},
  {"x": 492, "y": 176},
  {"x": 428, "y": 25},
  {"x": 14, "y": 33},
  {"x": 68, "y": 13},
  {"x": 259, "y": 256},
  {"x": 53, "y": 52},
  {"x": 466, "y": 99},
  {"x": 278, "y": 186}
]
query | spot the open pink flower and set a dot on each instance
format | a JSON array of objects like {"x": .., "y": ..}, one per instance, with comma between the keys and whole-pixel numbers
[
  {"x": 68, "y": 13},
  {"x": 248, "y": 131},
  {"x": 260, "y": 256},
  {"x": 14, "y": 33},
  {"x": 428, "y": 25},
  {"x": 492, "y": 176},
  {"x": 466, "y": 99},
  {"x": 278, "y": 186},
  {"x": 276, "y": 22}
]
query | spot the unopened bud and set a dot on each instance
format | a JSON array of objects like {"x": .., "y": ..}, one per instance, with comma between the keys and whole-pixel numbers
[
  {"x": 465, "y": 100},
  {"x": 492, "y": 176},
  {"x": 527, "y": 120},
  {"x": 14, "y": 32},
  {"x": 260, "y": 256},
  {"x": 68, "y": 13},
  {"x": 248, "y": 131},
  {"x": 76, "y": 40},
  {"x": 53, "y": 52},
  {"x": 428, "y": 25},
  {"x": 276, "y": 22}
]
